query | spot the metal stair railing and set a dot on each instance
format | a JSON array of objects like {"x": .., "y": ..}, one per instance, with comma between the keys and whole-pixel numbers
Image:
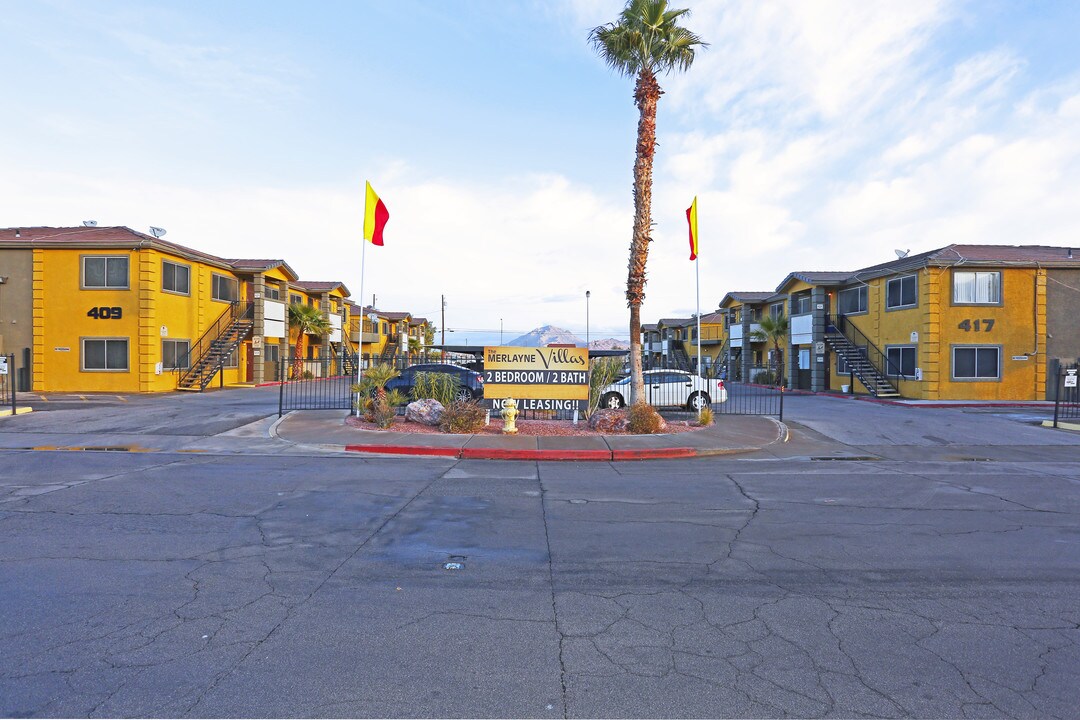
[
  {"x": 867, "y": 362},
  {"x": 212, "y": 350}
]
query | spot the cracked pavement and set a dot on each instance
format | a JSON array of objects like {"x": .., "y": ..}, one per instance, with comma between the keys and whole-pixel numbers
[{"x": 919, "y": 583}]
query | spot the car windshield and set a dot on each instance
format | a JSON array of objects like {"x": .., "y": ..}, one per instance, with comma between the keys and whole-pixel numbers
[{"x": 624, "y": 381}]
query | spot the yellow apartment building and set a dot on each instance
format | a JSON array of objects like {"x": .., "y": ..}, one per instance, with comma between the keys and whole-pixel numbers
[{"x": 109, "y": 309}]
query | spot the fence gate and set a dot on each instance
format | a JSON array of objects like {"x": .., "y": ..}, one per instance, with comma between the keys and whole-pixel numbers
[
  {"x": 757, "y": 394},
  {"x": 323, "y": 384},
  {"x": 1067, "y": 398},
  {"x": 7, "y": 382}
]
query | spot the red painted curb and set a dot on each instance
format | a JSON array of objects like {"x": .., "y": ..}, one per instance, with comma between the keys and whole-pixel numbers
[
  {"x": 268, "y": 384},
  {"x": 404, "y": 450},
  {"x": 521, "y": 454},
  {"x": 653, "y": 453}
]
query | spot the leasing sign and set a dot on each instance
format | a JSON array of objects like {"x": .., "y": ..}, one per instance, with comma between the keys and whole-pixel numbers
[{"x": 538, "y": 378}]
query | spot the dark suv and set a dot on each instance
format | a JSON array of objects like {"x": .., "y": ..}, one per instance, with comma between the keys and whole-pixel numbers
[{"x": 470, "y": 382}]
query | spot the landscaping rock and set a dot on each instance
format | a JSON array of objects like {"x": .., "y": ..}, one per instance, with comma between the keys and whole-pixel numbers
[
  {"x": 426, "y": 412},
  {"x": 608, "y": 421}
]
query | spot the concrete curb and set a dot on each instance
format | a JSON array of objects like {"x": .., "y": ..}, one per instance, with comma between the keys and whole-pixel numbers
[{"x": 6, "y": 412}]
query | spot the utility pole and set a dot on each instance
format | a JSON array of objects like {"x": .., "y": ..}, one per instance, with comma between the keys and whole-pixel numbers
[{"x": 442, "y": 323}]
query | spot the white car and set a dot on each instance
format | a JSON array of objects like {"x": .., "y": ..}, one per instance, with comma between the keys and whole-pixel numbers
[{"x": 667, "y": 388}]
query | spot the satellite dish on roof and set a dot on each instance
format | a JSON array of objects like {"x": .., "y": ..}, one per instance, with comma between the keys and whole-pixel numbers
[
  {"x": 901, "y": 253},
  {"x": 89, "y": 223},
  {"x": 156, "y": 231}
]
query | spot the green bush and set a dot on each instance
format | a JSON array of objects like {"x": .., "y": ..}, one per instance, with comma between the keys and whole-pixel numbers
[
  {"x": 436, "y": 386},
  {"x": 463, "y": 416},
  {"x": 642, "y": 419}
]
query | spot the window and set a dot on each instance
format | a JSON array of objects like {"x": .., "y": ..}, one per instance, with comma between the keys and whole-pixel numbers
[
  {"x": 976, "y": 363},
  {"x": 175, "y": 354},
  {"x": 234, "y": 358},
  {"x": 901, "y": 292},
  {"x": 800, "y": 304},
  {"x": 273, "y": 292},
  {"x": 224, "y": 288},
  {"x": 842, "y": 366},
  {"x": 273, "y": 353},
  {"x": 175, "y": 278},
  {"x": 853, "y": 300},
  {"x": 977, "y": 288},
  {"x": 105, "y": 272},
  {"x": 901, "y": 358},
  {"x": 385, "y": 329},
  {"x": 105, "y": 354},
  {"x": 295, "y": 299},
  {"x": 776, "y": 310}
]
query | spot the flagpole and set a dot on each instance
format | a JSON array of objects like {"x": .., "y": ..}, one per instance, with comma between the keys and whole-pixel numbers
[
  {"x": 360, "y": 344},
  {"x": 697, "y": 278}
]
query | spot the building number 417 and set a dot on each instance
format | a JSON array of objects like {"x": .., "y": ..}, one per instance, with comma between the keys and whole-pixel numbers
[{"x": 985, "y": 325}]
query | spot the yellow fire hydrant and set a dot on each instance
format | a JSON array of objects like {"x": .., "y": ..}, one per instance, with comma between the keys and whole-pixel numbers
[{"x": 509, "y": 414}]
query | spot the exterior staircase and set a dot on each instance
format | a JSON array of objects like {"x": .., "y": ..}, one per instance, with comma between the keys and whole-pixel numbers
[
  {"x": 212, "y": 351},
  {"x": 389, "y": 352},
  {"x": 679, "y": 356},
  {"x": 349, "y": 361},
  {"x": 875, "y": 382}
]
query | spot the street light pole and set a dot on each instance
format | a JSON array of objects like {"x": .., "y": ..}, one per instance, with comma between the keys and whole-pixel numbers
[
  {"x": 587, "y": 295},
  {"x": 500, "y": 331}
]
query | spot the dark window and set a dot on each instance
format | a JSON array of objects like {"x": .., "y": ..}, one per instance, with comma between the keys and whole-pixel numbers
[
  {"x": 105, "y": 354},
  {"x": 175, "y": 354},
  {"x": 224, "y": 288},
  {"x": 902, "y": 358},
  {"x": 853, "y": 300},
  {"x": 273, "y": 353},
  {"x": 273, "y": 292},
  {"x": 800, "y": 304},
  {"x": 841, "y": 364},
  {"x": 175, "y": 278},
  {"x": 901, "y": 292},
  {"x": 776, "y": 310},
  {"x": 296, "y": 300},
  {"x": 976, "y": 363},
  {"x": 105, "y": 272}
]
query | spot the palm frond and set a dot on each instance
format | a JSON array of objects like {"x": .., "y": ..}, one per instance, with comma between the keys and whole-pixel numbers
[{"x": 647, "y": 37}]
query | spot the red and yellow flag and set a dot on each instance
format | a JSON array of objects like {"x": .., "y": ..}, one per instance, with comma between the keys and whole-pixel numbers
[
  {"x": 691, "y": 217},
  {"x": 375, "y": 217}
]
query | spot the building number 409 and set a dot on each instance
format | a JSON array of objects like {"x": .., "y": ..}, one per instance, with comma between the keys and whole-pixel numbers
[{"x": 105, "y": 313}]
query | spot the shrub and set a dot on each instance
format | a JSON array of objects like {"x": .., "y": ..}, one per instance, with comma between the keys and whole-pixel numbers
[
  {"x": 604, "y": 371},
  {"x": 705, "y": 419},
  {"x": 463, "y": 416},
  {"x": 436, "y": 386},
  {"x": 644, "y": 420},
  {"x": 308, "y": 375}
]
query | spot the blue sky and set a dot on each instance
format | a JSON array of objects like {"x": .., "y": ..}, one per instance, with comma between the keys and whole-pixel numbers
[{"x": 818, "y": 135}]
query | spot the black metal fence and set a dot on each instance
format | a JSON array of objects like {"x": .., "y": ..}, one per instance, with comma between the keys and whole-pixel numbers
[
  {"x": 326, "y": 384},
  {"x": 1067, "y": 398}
]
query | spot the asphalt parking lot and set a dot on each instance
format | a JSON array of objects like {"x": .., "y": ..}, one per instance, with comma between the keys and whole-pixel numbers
[{"x": 885, "y": 562}]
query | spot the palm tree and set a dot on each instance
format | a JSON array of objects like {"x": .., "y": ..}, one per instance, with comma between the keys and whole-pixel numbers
[
  {"x": 774, "y": 329},
  {"x": 644, "y": 42},
  {"x": 308, "y": 320}
]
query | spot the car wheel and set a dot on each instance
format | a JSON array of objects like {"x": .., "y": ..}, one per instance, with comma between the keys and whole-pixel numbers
[
  {"x": 611, "y": 401},
  {"x": 463, "y": 395},
  {"x": 698, "y": 401}
]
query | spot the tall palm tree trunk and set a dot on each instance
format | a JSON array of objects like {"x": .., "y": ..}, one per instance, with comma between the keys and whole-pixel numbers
[
  {"x": 646, "y": 96},
  {"x": 298, "y": 356}
]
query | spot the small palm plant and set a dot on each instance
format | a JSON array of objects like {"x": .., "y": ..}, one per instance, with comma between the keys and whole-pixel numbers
[
  {"x": 774, "y": 329},
  {"x": 307, "y": 320},
  {"x": 378, "y": 403}
]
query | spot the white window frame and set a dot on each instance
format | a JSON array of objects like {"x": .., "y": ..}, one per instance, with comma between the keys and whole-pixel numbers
[
  {"x": 978, "y": 274},
  {"x": 106, "y": 340},
  {"x": 127, "y": 276},
  {"x": 976, "y": 348}
]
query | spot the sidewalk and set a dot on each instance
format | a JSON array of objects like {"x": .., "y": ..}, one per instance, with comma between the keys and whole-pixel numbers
[{"x": 326, "y": 429}]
